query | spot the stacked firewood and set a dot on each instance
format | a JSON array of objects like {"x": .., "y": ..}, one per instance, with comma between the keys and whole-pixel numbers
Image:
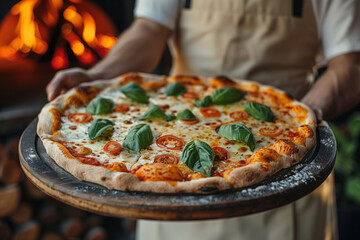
[{"x": 27, "y": 213}]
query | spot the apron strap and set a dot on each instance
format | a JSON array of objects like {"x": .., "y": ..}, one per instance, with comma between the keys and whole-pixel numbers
[
  {"x": 187, "y": 4},
  {"x": 297, "y": 8}
]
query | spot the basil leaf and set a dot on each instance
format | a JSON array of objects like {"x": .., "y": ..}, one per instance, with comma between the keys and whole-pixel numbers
[
  {"x": 154, "y": 111},
  {"x": 175, "y": 89},
  {"x": 259, "y": 111},
  {"x": 139, "y": 137},
  {"x": 170, "y": 117},
  {"x": 199, "y": 157},
  {"x": 227, "y": 95},
  {"x": 98, "y": 126},
  {"x": 237, "y": 132},
  {"x": 186, "y": 114},
  {"x": 203, "y": 103},
  {"x": 100, "y": 105},
  {"x": 134, "y": 92}
]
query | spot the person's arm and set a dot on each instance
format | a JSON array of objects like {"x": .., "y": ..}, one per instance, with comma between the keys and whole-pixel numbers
[
  {"x": 138, "y": 49},
  {"x": 338, "y": 89}
]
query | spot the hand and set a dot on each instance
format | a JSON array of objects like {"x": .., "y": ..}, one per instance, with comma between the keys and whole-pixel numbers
[
  {"x": 317, "y": 109},
  {"x": 338, "y": 88},
  {"x": 66, "y": 79},
  {"x": 318, "y": 113}
]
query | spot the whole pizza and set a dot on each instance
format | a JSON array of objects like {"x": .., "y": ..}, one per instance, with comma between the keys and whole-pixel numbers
[{"x": 167, "y": 134}]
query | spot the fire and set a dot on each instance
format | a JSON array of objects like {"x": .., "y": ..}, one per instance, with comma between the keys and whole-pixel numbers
[
  {"x": 89, "y": 28},
  {"x": 77, "y": 47},
  {"x": 26, "y": 24},
  {"x": 60, "y": 59},
  {"x": 107, "y": 41},
  {"x": 33, "y": 25},
  {"x": 71, "y": 15}
]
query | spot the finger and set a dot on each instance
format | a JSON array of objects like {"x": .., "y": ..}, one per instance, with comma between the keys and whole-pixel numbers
[
  {"x": 319, "y": 114},
  {"x": 55, "y": 87},
  {"x": 52, "y": 91}
]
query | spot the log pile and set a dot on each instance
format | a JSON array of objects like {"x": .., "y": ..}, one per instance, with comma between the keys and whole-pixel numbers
[{"x": 28, "y": 214}]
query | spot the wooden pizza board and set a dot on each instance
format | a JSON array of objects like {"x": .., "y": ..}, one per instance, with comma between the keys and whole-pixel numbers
[{"x": 284, "y": 187}]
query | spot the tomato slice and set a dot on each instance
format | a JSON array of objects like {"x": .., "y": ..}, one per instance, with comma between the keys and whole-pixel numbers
[
  {"x": 189, "y": 122},
  {"x": 221, "y": 154},
  {"x": 210, "y": 112},
  {"x": 191, "y": 95},
  {"x": 121, "y": 107},
  {"x": 83, "y": 151},
  {"x": 112, "y": 147},
  {"x": 170, "y": 142},
  {"x": 80, "y": 117},
  {"x": 166, "y": 158},
  {"x": 239, "y": 115},
  {"x": 214, "y": 126},
  {"x": 270, "y": 131},
  {"x": 164, "y": 107}
]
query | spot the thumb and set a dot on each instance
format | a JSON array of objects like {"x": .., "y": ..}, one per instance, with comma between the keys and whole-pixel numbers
[
  {"x": 319, "y": 114},
  {"x": 54, "y": 88}
]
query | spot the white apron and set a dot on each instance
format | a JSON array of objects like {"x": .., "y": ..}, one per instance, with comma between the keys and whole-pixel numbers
[{"x": 267, "y": 41}]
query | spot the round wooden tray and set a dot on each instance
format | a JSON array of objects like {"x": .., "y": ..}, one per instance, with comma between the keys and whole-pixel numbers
[{"x": 284, "y": 187}]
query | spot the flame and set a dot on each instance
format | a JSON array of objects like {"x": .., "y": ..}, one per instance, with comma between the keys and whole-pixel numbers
[
  {"x": 89, "y": 28},
  {"x": 7, "y": 52},
  {"x": 66, "y": 29},
  {"x": 26, "y": 25},
  {"x": 77, "y": 47},
  {"x": 107, "y": 41},
  {"x": 34, "y": 22},
  {"x": 88, "y": 57},
  {"x": 16, "y": 43},
  {"x": 51, "y": 16},
  {"x": 57, "y": 3},
  {"x": 60, "y": 59},
  {"x": 73, "y": 16}
]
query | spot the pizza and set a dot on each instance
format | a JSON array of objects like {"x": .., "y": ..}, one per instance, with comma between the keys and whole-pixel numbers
[{"x": 171, "y": 134}]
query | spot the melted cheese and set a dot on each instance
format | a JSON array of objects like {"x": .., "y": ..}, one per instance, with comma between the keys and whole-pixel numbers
[{"x": 77, "y": 133}]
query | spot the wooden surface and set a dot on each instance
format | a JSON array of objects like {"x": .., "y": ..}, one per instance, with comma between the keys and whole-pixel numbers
[{"x": 286, "y": 186}]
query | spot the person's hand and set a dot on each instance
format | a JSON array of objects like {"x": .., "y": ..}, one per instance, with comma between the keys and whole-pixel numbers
[
  {"x": 66, "y": 79},
  {"x": 318, "y": 113},
  {"x": 317, "y": 110}
]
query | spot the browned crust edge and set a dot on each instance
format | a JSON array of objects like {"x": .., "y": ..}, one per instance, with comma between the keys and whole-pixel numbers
[{"x": 251, "y": 174}]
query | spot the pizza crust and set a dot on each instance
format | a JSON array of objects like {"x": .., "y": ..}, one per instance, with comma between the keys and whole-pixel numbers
[
  {"x": 252, "y": 173},
  {"x": 124, "y": 181}
]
